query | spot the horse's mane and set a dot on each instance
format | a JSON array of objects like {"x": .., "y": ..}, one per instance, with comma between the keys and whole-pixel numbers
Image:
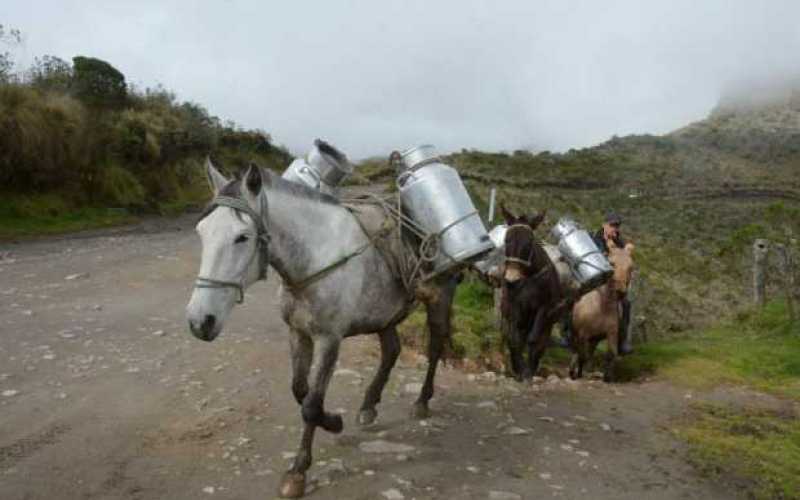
[
  {"x": 276, "y": 182},
  {"x": 296, "y": 189},
  {"x": 540, "y": 257}
]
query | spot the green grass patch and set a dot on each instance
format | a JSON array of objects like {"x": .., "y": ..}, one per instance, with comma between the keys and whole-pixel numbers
[
  {"x": 759, "y": 349},
  {"x": 475, "y": 334},
  {"x": 22, "y": 216},
  {"x": 759, "y": 446}
]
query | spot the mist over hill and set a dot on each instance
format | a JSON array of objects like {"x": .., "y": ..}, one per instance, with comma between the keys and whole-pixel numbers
[{"x": 759, "y": 121}]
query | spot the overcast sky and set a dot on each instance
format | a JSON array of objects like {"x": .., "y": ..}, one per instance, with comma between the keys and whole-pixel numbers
[{"x": 372, "y": 76}]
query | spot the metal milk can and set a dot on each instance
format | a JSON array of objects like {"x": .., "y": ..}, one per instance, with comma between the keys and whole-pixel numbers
[
  {"x": 498, "y": 235},
  {"x": 323, "y": 168},
  {"x": 492, "y": 261},
  {"x": 590, "y": 267},
  {"x": 438, "y": 202}
]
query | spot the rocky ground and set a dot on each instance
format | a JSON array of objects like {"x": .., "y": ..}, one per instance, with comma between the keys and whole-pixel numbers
[{"x": 105, "y": 394}]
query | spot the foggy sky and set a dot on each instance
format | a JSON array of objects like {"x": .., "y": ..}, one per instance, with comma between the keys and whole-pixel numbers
[{"x": 372, "y": 76}]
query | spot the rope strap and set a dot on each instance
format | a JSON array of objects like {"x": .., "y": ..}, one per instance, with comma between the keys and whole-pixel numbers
[{"x": 210, "y": 283}]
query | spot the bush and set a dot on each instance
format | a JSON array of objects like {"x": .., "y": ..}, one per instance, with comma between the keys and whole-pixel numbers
[
  {"x": 98, "y": 83},
  {"x": 80, "y": 133},
  {"x": 121, "y": 188}
]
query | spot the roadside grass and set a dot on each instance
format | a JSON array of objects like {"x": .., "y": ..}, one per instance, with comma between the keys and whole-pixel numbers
[
  {"x": 477, "y": 341},
  {"x": 475, "y": 336},
  {"x": 22, "y": 216},
  {"x": 755, "y": 349},
  {"x": 760, "y": 447},
  {"x": 758, "y": 349}
]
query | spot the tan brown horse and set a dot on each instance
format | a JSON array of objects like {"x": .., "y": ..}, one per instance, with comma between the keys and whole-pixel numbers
[{"x": 596, "y": 315}]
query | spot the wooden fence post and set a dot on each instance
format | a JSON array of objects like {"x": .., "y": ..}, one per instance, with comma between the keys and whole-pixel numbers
[
  {"x": 787, "y": 270},
  {"x": 760, "y": 251},
  {"x": 498, "y": 314},
  {"x": 490, "y": 215}
]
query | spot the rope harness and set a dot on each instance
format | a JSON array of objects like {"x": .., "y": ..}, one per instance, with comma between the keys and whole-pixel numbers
[
  {"x": 528, "y": 263},
  {"x": 411, "y": 261},
  {"x": 414, "y": 256},
  {"x": 262, "y": 242}
]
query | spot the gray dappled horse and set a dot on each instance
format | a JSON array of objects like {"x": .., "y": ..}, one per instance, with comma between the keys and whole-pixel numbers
[{"x": 336, "y": 284}]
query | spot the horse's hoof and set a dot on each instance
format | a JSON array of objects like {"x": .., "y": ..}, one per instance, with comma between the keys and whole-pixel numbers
[
  {"x": 420, "y": 411},
  {"x": 367, "y": 417},
  {"x": 293, "y": 485},
  {"x": 333, "y": 424}
]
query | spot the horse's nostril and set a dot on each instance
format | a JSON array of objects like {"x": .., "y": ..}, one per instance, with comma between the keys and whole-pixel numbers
[{"x": 208, "y": 323}]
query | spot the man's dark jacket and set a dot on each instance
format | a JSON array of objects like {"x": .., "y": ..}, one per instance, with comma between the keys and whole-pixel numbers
[{"x": 601, "y": 241}]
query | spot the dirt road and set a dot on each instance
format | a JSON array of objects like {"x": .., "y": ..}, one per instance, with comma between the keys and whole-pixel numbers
[{"x": 104, "y": 394}]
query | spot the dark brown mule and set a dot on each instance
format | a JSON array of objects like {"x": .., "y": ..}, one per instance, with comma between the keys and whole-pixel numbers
[
  {"x": 531, "y": 292},
  {"x": 596, "y": 315}
]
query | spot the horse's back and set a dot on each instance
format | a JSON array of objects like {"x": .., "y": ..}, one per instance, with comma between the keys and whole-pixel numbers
[{"x": 589, "y": 317}]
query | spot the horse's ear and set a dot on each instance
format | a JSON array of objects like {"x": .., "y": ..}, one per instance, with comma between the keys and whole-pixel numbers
[
  {"x": 629, "y": 247},
  {"x": 536, "y": 219},
  {"x": 507, "y": 216},
  {"x": 253, "y": 179},
  {"x": 215, "y": 179}
]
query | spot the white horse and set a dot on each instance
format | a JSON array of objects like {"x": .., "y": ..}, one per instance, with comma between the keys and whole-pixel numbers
[{"x": 336, "y": 284}]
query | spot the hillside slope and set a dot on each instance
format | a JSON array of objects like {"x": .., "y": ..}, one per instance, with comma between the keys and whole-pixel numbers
[{"x": 693, "y": 201}]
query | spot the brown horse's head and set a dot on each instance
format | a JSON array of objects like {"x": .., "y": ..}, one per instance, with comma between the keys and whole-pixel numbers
[
  {"x": 522, "y": 257},
  {"x": 622, "y": 261}
]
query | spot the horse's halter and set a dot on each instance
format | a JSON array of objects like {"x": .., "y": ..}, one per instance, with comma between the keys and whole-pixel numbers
[
  {"x": 262, "y": 242},
  {"x": 526, "y": 263}
]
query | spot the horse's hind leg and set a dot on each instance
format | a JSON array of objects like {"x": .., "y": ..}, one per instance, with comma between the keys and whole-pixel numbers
[
  {"x": 438, "y": 310},
  {"x": 302, "y": 351},
  {"x": 390, "y": 350},
  {"x": 326, "y": 352}
]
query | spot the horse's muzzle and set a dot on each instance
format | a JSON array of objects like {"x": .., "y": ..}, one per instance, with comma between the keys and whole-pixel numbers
[
  {"x": 512, "y": 274},
  {"x": 206, "y": 330}
]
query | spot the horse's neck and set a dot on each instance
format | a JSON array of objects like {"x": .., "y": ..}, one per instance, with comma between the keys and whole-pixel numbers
[
  {"x": 608, "y": 296},
  {"x": 307, "y": 235}
]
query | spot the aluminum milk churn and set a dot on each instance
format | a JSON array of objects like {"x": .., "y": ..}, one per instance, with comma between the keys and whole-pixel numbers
[
  {"x": 588, "y": 264},
  {"x": 491, "y": 262},
  {"x": 438, "y": 202},
  {"x": 323, "y": 168}
]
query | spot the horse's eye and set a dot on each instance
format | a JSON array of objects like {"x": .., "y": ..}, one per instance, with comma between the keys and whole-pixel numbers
[{"x": 241, "y": 238}]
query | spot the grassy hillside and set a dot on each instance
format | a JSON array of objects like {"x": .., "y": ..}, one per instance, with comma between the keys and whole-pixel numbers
[
  {"x": 692, "y": 206},
  {"x": 76, "y": 140}
]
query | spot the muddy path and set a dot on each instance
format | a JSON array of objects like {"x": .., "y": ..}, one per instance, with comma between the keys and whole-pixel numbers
[{"x": 104, "y": 394}]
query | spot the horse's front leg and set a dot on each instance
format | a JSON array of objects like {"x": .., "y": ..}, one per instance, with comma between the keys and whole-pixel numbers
[
  {"x": 538, "y": 338},
  {"x": 580, "y": 355},
  {"x": 390, "y": 350},
  {"x": 326, "y": 352},
  {"x": 516, "y": 345},
  {"x": 612, "y": 341},
  {"x": 302, "y": 352},
  {"x": 438, "y": 310}
]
